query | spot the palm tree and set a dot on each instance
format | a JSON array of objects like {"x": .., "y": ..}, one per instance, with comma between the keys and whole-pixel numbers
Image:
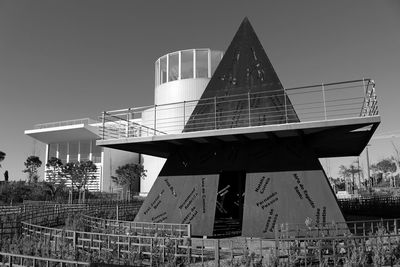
[{"x": 349, "y": 172}]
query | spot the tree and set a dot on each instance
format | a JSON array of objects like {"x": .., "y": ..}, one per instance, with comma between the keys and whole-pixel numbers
[
  {"x": 386, "y": 166},
  {"x": 80, "y": 173},
  {"x": 54, "y": 174},
  {"x": 350, "y": 171},
  {"x": 32, "y": 164},
  {"x": 396, "y": 159},
  {"x": 128, "y": 175},
  {"x": 2, "y": 156}
]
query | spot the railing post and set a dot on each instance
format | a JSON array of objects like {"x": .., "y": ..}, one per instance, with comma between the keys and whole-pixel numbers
[
  {"x": 248, "y": 104},
  {"x": 127, "y": 122},
  {"x": 184, "y": 113},
  {"x": 284, "y": 97},
  {"x": 366, "y": 101},
  {"x": 103, "y": 118},
  {"x": 323, "y": 96},
  {"x": 215, "y": 113},
  {"x": 155, "y": 119}
]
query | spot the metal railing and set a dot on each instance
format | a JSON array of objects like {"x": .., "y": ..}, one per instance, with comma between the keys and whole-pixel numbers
[
  {"x": 350, "y": 99},
  {"x": 85, "y": 121}
]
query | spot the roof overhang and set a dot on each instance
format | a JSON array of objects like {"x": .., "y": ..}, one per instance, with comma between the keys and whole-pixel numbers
[
  {"x": 64, "y": 133},
  {"x": 330, "y": 138}
]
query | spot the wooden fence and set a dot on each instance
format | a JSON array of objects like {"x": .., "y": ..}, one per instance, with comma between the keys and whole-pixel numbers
[
  {"x": 10, "y": 259},
  {"x": 135, "y": 249},
  {"x": 373, "y": 242},
  {"x": 379, "y": 249},
  {"x": 55, "y": 214},
  {"x": 136, "y": 228},
  {"x": 355, "y": 228}
]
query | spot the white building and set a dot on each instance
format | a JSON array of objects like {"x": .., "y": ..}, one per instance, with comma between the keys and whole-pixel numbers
[{"x": 179, "y": 76}]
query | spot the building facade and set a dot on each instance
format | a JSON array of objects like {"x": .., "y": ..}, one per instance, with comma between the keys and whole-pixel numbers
[{"x": 179, "y": 76}]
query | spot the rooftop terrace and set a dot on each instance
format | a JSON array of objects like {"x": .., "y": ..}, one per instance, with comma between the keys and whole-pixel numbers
[
  {"x": 335, "y": 119},
  {"x": 315, "y": 103}
]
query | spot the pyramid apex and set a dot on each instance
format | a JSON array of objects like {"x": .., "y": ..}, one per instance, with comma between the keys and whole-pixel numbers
[{"x": 246, "y": 21}]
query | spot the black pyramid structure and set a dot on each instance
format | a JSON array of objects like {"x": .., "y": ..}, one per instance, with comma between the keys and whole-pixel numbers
[
  {"x": 244, "y": 77},
  {"x": 224, "y": 186}
]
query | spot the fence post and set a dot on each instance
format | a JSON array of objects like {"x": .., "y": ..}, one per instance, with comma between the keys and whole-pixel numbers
[
  {"x": 189, "y": 250},
  {"x": 277, "y": 243},
  {"x": 151, "y": 251},
  {"x": 216, "y": 253},
  {"x": 117, "y": 211},
  {"x": 74, "y": 243},
  {"x": 189, "y": 230},
  {"x": 323, "y": 96}
]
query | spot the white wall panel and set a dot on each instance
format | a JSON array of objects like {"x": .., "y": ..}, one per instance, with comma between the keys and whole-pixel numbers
[{"x": 180, "y": 90}]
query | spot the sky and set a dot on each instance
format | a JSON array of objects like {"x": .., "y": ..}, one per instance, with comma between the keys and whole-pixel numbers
[{"x": 62, "y": 60}]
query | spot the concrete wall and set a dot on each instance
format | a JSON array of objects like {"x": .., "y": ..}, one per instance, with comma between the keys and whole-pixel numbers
[
  {"x": 180, "y": 90},
  {"x": 153, "y": 165}
]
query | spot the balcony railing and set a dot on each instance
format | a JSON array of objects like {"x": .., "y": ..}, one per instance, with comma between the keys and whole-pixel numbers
[
  {"x": 341, "y": 100},
  {"x": 85, "y": 121}
]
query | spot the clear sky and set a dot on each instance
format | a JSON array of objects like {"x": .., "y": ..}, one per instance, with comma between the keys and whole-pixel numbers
[{"x": 62, "y": 60}]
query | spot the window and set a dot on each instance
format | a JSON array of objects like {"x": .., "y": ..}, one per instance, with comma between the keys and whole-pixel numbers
[
  {"x": 201, "y": 63},
  {"x": 52, "y": 151},
  {"x": 157, "y": 78},
  {"x": 187, "y": 64},
  {"x": 163, "y": 69},
  {"x": 73, "y": 151},
  {"x": 173, "y": 68},
  {"x": 96, "y": 152},
  {"x": 84, "y": 149},
  {"x": 63, "y": 152},
  {"x": 216, "y": 57}
]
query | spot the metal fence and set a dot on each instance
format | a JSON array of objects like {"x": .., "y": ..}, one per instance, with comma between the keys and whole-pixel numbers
[{"x": 350, "y": 99}]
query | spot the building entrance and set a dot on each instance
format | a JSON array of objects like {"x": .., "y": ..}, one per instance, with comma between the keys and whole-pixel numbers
[{"x": 229, "y": 206}]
